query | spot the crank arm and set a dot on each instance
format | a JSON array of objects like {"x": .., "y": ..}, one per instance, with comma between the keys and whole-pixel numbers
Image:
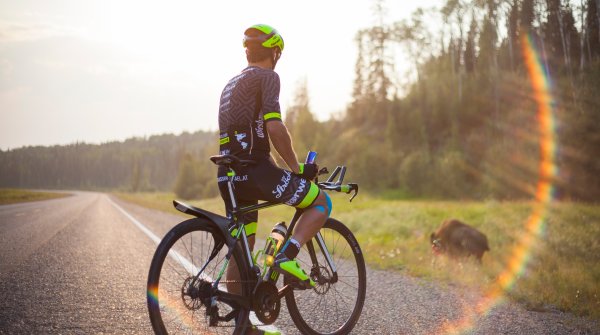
[{"x": 284, "y": 290}]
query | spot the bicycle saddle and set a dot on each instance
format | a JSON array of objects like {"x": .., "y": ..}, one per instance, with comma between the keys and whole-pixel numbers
[{"x": 230, "y": 160}]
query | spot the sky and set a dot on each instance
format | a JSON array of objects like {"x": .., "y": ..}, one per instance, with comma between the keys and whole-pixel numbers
[{"x": 98, "y": 71}]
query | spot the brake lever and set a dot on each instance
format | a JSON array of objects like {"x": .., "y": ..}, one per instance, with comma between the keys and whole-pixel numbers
[
  {"x": 323, "y": 171},
  {"x": 353, "y": 187}
]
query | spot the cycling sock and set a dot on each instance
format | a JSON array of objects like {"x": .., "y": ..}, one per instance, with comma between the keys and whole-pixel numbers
[{"x": 291, "y": 248}]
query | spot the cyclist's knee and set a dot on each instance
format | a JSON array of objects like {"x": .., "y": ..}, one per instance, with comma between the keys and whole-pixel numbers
[{"x": 323, "y": 204}]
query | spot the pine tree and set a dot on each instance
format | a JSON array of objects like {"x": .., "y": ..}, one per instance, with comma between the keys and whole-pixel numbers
[
  {"x": 487, "y": 45},
  {"x": 300, "y": 120},
  {"x": 553, "y": 34},
  {"x": 527, "y": 17},
  {"x": 470, "y": 55},
  {"x": 188, "y": 185},
  {"x": 572, "y": 37},
  {"x": 592, "y": 28},
  {"x": 513, "y": 33},
  {"x": 136, "y": 178}
]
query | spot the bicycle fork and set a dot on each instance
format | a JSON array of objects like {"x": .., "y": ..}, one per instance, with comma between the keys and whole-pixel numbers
[{"x": 315, "y": 262}]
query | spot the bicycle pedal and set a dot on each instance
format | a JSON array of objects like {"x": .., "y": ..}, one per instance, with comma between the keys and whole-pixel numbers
[{"x": 296, "y": 284}]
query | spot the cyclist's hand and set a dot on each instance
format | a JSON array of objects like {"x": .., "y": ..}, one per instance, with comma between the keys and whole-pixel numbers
[{"x": 308, "y": 171}]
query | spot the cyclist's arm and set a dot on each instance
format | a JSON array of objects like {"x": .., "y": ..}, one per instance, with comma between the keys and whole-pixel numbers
[{"x": 282, "y": 142}]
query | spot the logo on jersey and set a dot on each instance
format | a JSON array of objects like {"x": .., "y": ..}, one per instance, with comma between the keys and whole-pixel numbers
[
  {"x": 285, "y": 182},
  {"x": 239, "y": 138},
  {"x": 298, "y": 192},
  {"x": 259, "y": 128}
]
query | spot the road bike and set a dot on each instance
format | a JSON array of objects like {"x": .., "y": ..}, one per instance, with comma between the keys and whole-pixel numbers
[{"x": 190, "y": 290}]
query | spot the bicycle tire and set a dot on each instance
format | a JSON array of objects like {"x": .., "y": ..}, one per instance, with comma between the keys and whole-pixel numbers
[
  {"x": 190, "y": 242},
  {"x": 312, "y": 310}
]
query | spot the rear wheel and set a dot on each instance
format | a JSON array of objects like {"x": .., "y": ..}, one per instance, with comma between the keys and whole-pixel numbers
[
  {"x": 334, "y": 305},
  {"x": 180, "y": 304}
]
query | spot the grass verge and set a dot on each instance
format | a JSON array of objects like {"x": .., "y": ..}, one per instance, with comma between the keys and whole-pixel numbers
[
  {"x": 563, "y": 268},
  {"x": 12, "y": 196}
]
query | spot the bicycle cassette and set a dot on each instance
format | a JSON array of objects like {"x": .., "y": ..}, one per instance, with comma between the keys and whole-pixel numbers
[{"x": 266, "y": 302}]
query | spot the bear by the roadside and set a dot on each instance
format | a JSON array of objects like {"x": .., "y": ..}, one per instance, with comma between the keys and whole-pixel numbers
[{"x": 457, "y": 239}]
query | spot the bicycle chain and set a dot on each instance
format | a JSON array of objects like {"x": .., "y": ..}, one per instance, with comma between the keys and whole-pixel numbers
[{"x": 236, "y": 281}]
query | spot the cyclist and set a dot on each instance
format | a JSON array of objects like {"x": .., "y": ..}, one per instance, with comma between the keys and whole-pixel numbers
[{"x": 249, "y": 122}]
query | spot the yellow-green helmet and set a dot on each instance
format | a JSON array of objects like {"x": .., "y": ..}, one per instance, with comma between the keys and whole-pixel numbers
[{"x": 269, "y": 38}]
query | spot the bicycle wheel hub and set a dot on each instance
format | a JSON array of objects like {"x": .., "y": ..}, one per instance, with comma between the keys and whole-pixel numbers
[
  {"x": 266, "y": 302},
  {"x": 322, "y": 278},
  {"x": 193, "y": 295}
]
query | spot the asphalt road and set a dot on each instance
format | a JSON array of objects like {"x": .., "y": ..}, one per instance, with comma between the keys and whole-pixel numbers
[
  {"x": 73, "y": 265},
  {"x": 78, "y": 265}
]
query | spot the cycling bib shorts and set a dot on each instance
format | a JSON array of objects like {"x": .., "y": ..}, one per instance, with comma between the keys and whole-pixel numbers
[{"x": 266, "y": 181}]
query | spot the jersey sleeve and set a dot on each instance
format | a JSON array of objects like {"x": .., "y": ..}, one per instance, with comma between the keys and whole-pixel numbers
[{"x": 270, "y": 97}]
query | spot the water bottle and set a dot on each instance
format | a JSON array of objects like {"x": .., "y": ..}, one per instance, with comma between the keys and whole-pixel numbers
[{"x": 274, "y": 242}]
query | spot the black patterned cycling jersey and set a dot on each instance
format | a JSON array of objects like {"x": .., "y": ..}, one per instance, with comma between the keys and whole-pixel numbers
[{"x": 248, "y": 102}]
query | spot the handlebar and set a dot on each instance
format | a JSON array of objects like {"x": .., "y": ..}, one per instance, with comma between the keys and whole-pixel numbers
[{"x": 337, "y": 186}]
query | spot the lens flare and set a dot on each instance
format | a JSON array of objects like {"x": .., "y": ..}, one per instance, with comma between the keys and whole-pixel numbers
[
  {"x": 175, "y": 309},
  {"x": 543, "y": 196}
]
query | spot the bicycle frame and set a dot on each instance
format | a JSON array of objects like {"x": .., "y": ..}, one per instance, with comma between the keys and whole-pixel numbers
[
  {"x": 228, "y": 226},
  {"x": 297, "y": 214}
]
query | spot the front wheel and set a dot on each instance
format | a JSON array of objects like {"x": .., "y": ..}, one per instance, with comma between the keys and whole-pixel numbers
[
  {"x": 180, "y": 304},
  {"x": 334, "y": 305}
]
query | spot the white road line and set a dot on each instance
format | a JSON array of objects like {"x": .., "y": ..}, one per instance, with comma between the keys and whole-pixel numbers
[
  {"x": 191, "y": 268},
  {"x": 178, "y": 258}
]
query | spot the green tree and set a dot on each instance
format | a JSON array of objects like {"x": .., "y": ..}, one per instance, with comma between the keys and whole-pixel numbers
[
  {"x": 513, "y": 33},
  {"x": 552, "y": 33},
  {"x": 571, "y": 39},
  {"x": 527, "y": 17},
  {"x": 592, "y": 29},
  {"x": 470, "y": 53},
  {"x": 188, "y": 184},
  {"x": 301, "y": 122},
  {"x": 136, "y": 178}
]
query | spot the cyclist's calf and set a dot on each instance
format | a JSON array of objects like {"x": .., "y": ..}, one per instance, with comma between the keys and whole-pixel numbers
[{"x": 313, "y": 218}]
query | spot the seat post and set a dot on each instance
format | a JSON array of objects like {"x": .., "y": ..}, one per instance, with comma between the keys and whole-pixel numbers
[{"x": 231, "y": 175}]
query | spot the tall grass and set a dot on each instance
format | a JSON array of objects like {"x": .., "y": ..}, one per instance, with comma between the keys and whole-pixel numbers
[
  {"x": 11, "y": 196},
  {"x": 563, "y": 270}
]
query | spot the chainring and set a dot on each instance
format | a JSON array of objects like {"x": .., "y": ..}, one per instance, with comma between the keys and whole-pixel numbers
[{"x": 266, "y": 302}]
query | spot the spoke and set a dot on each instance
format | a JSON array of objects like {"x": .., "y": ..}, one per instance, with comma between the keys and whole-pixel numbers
[
  {"x": 176, "y": 317},
  {"x": 175, "y": 270},
  {"x": 337, "y": 314},
  {"x": 340, "y": 299},
  {"x": 342, "y": 262},
  {"x": 348, "y": 284},
  {"x": 342, "y": 295}
]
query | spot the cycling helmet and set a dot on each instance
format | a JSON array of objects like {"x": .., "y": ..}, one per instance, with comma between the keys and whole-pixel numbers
[{"x": 269, "y": 38}]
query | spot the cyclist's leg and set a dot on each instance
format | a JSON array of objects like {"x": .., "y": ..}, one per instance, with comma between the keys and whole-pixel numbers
[
  {"x": 313, "y": 219},
  {"x": 250, "y": 223},
  {"x": 310, "y": 222},
  {"x": 283, "y": 186}
]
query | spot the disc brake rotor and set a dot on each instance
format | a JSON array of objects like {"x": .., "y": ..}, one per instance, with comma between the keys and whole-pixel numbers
[{"x": 322, "y": 279}]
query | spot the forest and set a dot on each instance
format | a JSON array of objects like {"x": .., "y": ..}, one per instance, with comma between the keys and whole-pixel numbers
[{"x": 465, "y": 126}]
